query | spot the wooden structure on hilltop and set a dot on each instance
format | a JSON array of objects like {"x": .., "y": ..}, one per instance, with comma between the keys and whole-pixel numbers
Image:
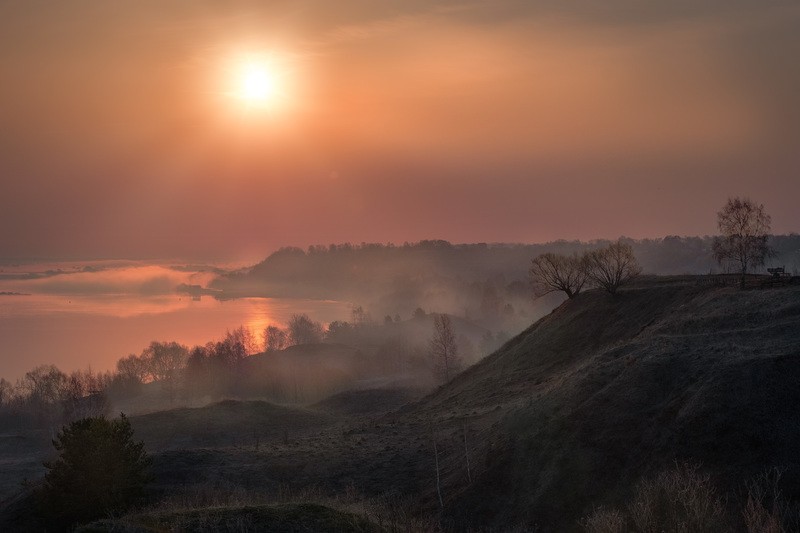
[{"x": 778, "y": 276}]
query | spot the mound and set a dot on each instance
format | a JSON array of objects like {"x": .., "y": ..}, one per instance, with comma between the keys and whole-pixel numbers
[
  {"x": 303, "y": 373},
  {"x": 286, "y": 518},
  {"x": 606, "y": 390},
  {"x": 366, "y": 402},
  {"x": 226, "y": 423}
]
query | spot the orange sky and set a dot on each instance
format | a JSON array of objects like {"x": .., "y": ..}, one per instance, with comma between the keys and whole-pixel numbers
[{"x": 400, "y": 120}]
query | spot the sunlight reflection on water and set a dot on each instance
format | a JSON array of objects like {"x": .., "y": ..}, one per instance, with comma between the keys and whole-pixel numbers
[{"x": 68, "y": 320}]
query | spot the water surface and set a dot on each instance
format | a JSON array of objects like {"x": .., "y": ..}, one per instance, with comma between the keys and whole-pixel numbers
[{"x": 90, "y": 315}]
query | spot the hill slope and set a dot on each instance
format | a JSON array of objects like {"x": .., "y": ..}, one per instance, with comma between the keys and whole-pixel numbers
[{"x": 573, "y": 411}]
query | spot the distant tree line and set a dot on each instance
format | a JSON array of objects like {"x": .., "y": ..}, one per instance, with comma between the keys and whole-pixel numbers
[
  {"x": 170, "y": 371},
  {"x": 47, "y": 397},
  {"x": 330, "y": 269}
]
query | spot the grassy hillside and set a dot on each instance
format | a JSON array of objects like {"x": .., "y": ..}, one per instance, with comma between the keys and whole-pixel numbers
[{"x": 606, "y": 390}]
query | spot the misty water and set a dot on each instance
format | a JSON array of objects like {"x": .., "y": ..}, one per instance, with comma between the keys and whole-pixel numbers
[{"x": 79, "y": 316}]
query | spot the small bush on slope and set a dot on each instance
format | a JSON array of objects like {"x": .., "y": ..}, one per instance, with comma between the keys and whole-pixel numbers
[{"x": 100, "y": 470}]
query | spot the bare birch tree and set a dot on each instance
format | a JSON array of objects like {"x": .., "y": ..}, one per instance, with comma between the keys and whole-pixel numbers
[
  {"x": 444, "y": 349},
  {"x": 744, "y": 228}
]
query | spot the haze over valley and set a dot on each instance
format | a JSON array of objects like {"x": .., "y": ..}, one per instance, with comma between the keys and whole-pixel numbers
[{"x": 392, "y": 266}]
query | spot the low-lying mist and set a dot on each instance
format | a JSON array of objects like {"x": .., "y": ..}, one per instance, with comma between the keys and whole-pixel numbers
[
  {"x": 98, "y": 278},
  {"x": 371, "y": 310}
]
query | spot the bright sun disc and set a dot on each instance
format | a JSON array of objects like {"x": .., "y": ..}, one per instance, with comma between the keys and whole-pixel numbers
[{"x": 257, "y": 84}]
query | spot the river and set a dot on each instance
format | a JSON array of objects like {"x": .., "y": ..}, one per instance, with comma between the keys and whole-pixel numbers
[{"x": 82, "y": 315}]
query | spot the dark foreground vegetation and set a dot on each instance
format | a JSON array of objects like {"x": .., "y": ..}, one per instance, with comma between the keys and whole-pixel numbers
[{"x": 668, "y": 405}]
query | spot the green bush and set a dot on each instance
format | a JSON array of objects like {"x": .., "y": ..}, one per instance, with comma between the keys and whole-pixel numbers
[{"x": 100, "y": 471}]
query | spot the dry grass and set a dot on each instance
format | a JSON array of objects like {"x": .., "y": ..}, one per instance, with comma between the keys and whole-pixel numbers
[
  {"x": 201, "y": 505},
  {"x": 604, "y": 520},
  {"x": 398, "y": 514},
  {"x": 680, "y": 500},
  {"x": 684, "y": 500},
  {"x": 766, "y": 510}
]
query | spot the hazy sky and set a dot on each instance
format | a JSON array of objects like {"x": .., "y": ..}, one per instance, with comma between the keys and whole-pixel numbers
[{"x": 393, "y": 120}]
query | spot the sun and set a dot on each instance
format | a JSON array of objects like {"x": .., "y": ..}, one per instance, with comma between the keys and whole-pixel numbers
[{"x": 257, "y": 84}]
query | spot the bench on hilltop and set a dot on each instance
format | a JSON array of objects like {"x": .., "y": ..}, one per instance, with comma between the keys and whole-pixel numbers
[
  {"x": 778, "y": 276},
  {"x": 779, "y": 272}
]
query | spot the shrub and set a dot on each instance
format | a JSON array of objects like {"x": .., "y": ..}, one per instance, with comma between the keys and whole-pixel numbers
[
  {"x": 681, "y": 499},
  {"x": 100, "y": 470},
  {"x": 766, "y": 510},
  {"x": 604, "y": 520}
]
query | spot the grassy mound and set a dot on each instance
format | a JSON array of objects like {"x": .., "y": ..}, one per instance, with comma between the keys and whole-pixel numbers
[
  {"x": 366, "y": 402},
  {"x": 225, "y": 423}
]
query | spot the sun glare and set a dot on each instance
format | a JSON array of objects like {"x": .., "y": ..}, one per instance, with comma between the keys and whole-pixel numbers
[{"x": 257, "y": 84}]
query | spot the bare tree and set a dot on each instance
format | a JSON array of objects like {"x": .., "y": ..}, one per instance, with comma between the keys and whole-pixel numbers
[
  {"x": 554, "y": 272},
  {"x": 233, "y": 349},
  {"x": 132, "y": 368},
  {"x": 303, "y": 330},
  {"x": 612, "y": 266},
  {"x": 165, "y": 359},
  {"x": 243, "y": 337},
  {"x": 444, "y": 349},
  {"x": 275, "y": 339},
  {"x": 6, "y": 392},
  {"x": 166, "y": 362},
  {"x": 85, "y": 395},
  {"x": 744, "y": 228},
  {"x": 340, "y": 331},
  {"x": 198, "y": 375},
  {"x": 43, "y": 389},
  {"x": 360, "y": 317},
  {"x": 45, "y": 385}
]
